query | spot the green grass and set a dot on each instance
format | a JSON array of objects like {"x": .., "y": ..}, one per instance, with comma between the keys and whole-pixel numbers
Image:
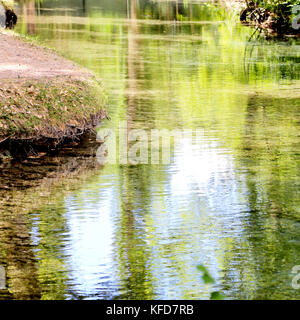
[{"x": 35, "y": 108}]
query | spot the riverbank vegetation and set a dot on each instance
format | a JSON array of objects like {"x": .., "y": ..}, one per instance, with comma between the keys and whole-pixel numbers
[
  {"x": 272, "y": 15},
  {"x": 8, "y": 18},
  {"x": 38, "y": 115},
  {"x": 7, "y": 4}
]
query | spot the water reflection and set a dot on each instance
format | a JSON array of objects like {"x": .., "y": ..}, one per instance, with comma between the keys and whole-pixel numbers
[
  {"x": 33, "y": 227},
  {"x": 229, "y": 199}
]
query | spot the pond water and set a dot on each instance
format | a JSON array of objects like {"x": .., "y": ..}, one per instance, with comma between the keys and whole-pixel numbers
[{"x": 228, "y": 199}]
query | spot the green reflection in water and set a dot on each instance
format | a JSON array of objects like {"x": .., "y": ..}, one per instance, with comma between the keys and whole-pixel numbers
[{"x": 229, "y": 201}]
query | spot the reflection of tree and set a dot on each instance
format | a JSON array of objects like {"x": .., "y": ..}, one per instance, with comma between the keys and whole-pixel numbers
[
  {"x": 133, "y": 254},
  {"x": 23, "y": 228},
  {"x": 52, "y": 268},
  {"x": 29, "y": 15},
  {"x": 18, "y": 258},
  {"x": 133, "y": 250},
  {"x": 132, "y": 63},
  {"x": 268, "y": 256},
  {"x": 84, "y": 6}
]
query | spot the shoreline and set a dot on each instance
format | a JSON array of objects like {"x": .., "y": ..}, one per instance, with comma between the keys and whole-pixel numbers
[
  {"x": 259, "y": 16},
  {"x": 46, "y": 101}
]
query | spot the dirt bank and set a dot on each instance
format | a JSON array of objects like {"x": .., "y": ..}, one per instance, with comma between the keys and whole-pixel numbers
[
  {"x": 21, "y": 59},
  {"x": 45, "y": 100}
]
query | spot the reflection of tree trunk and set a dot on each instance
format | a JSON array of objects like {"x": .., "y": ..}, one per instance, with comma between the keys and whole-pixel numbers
[
  {"x": 132, "y": 63},
  {"x": 84, "y": 6},
  {"x": 30, "y": 16},
  {"x": 191, "y": 19},
  {"x": 133, "y": 253},
  {"x": 168, "y": 14},
  {"x": 266, "y": 248},
  {"x": 17, "y": 256}
]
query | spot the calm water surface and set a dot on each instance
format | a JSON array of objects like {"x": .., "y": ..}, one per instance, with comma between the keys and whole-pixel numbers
[{"x": 229, "y": 199}]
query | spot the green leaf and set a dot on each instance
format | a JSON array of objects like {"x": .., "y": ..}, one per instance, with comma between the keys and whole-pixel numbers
[
  {"x": 216, "y": 295},
  {"x": 207, "y": 278},
  {"x": 201, "y": 268}
]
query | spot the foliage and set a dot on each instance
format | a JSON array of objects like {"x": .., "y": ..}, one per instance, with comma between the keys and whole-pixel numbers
[
  {"x": 282, "y": 9},
  {"x": 208, "y": 279},
  {"x": 272, "y": 15},
  {"x": 7, "y": 4},
  {"x": 277, "y": 5}
]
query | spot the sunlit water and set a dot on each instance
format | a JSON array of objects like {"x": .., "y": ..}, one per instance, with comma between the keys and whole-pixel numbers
[{"x": 229, "y": 198}]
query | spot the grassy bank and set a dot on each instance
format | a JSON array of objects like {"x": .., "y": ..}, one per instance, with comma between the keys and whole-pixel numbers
[
  {"x": 50, "y": 108},
  {"x": 39, "y": 113}
]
